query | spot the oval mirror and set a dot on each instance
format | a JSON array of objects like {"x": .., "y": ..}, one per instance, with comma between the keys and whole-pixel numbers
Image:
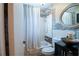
[{"x": 70, "y": 16}]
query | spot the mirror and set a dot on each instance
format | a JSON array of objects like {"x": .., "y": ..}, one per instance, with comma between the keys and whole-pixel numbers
[{"x": 70, "y": 16}]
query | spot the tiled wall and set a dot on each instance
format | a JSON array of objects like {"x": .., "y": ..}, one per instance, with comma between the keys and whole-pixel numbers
[{"x": 76, "y": 33}]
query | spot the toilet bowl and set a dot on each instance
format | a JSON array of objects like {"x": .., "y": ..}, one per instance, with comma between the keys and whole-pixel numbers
[
  {"x": 46, "y": 48},
  {"x": 48, "y": 51}
]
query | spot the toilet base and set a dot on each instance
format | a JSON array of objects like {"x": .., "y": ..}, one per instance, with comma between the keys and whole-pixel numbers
[{"x": 48, "y": 54}]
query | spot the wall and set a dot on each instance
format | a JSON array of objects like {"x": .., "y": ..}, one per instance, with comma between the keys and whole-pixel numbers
[
  {"x": 2, "y": 46},
  {"x": 42, "y": 28},
  {"x": 59, "y": 7},
  {"x": 58, "y": 34},
  {"x": 19, "y": 29},
  {"x": 48, "y": 26}
]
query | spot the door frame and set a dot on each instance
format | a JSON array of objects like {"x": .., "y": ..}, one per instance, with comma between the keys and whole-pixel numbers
[{"x": 11, "y": 29}]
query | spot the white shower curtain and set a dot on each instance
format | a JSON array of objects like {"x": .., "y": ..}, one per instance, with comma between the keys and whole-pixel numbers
[{"x": 32, "y": 17}]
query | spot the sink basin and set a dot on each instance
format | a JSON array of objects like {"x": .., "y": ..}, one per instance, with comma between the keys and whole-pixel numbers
[{"x": 71, "y": 42}]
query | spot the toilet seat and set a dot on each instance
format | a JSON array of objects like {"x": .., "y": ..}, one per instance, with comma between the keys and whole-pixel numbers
[
  {"x": 48, "y": 49},
  {"x": 45, "y": 44}
]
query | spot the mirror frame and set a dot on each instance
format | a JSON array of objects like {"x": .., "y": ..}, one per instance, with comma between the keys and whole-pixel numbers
[{"x": 66, "y": 8}]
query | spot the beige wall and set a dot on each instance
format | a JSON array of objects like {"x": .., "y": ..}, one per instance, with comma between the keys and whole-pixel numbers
[
  {"x": 59, "y": 7},
  {"x": 2, "y": 45}
]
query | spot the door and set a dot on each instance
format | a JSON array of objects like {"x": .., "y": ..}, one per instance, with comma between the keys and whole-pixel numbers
[{"x": 16, "y": 28}]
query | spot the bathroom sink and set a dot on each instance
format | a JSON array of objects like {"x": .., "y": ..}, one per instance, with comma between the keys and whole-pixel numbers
[{"x": 71, "y": 42}]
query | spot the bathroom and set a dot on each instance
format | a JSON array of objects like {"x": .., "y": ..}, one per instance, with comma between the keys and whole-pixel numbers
[{"x": 35, "y": 29}]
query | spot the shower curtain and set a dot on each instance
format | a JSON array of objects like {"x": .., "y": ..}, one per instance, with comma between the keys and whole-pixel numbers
[{"x": 32, "y": 17}]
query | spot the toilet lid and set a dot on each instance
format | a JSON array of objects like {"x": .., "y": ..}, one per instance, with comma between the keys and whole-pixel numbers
[{"x": 48, "y": 49}]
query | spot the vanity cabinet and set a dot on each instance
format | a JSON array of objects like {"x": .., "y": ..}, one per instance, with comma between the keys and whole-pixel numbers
[{"x": 61, "y": 49}]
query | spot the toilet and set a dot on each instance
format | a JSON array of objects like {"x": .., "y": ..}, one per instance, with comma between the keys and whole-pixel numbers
[{"x": 46, "y": 48}]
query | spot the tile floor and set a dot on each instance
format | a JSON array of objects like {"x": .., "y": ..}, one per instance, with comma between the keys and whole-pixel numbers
[{"x": 33, "y": 52}]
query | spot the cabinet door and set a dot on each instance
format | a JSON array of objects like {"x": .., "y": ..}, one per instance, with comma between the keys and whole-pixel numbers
[
  {"x": 75, "y": 52},
  {"x": 59, "y": 50}
]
